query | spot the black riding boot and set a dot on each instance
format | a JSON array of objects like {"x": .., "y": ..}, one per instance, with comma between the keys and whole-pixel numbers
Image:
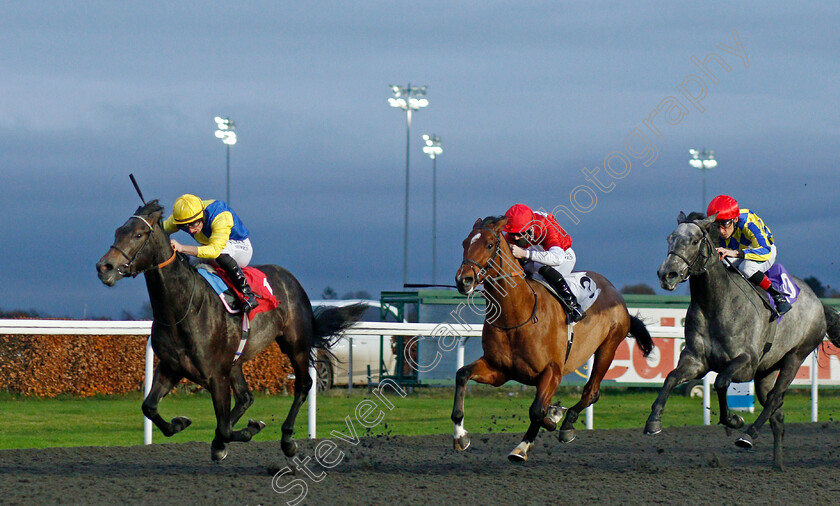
[
  {"x": 782, "y": 304},
  {"x": 232, "y": 269},
  {"x": 779, "y": 299},
  {"x": 576, "y": 313}
]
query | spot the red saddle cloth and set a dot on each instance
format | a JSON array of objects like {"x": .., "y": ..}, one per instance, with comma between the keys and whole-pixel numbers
[{"x": 259, "y": 284}]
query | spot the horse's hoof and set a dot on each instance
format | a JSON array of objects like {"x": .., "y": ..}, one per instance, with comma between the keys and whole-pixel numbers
[
  {"x": 745, "y": 441},
  {"x": 461, "y": 443},
  {"x": 549, "y": 424},
  {"x": 218, "y": 451},
  {"x": 733, "y": 421},
  {"x": 566, "y": 435},
  {"x": 516, "y": 458},
  {"x": 255, "y": 426},
  {"x": 289, "y": 448},
  {"x": 180, "y": 423},
  {"x": 653, "y": 427},
  {"x": 520, "y": 453}
]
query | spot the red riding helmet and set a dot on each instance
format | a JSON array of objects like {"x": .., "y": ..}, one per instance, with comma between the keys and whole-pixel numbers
[
  {"x": 520, "y": 217},
  {"x": 725, "y": 206}
]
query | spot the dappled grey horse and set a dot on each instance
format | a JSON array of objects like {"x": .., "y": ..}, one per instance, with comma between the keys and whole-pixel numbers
[{"x": 728, "y": 330}]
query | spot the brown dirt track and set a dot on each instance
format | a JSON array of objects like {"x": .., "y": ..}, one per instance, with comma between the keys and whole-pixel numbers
[{"x": 683, "y": 465}]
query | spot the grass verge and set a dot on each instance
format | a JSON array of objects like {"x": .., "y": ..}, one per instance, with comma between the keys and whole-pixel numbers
[{"x": 118, "y": 421}]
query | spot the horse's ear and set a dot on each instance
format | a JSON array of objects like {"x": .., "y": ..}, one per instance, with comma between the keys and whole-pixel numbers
[
  {"x": 500, "y": 224},
  {"x": 706, "y": 223},
  {"x": 681, "y": 218},
  {"x": 477, "y": 223}
]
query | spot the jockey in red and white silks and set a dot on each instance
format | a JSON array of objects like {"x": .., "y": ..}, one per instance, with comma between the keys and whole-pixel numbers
[{"x": 537, "y": 239}]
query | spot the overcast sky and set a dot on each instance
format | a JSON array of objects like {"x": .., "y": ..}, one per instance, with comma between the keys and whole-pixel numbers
[{"x": 527, "y": 97}]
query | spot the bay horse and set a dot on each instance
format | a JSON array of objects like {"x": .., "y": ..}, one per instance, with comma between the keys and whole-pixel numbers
[
  {"x": 728, "y": 330},
  {"x": 194, "y": 337},
  {"x": 524, "y": 337}
]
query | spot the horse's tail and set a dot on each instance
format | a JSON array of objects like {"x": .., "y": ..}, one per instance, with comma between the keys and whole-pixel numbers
[
  {"x": 640, "y": 332},
  {"x": 329, "y": 324},
  {"x": 832, "y": 319}
]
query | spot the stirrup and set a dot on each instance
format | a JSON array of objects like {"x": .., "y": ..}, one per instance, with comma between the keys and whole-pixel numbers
[
  {"x": 249, "y": 302},
  {"x": 576, "y": 313},
  {"x": 782, "y": 304}
]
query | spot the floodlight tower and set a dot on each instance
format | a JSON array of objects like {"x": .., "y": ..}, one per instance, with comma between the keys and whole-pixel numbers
[
  {"x": 433, "y": 149},
  {"x": 408, "y": 98},
  {"x": 226, "y": 131},
  {"x": 704, "y": 160}
]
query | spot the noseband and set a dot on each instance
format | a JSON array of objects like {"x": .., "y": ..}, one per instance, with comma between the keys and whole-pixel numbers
[
  {"x": 698, "y": 264},
  {"x": 127, "y": 269}
]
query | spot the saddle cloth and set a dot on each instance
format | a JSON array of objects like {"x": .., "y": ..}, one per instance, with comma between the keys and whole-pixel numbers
[
  {"x": 784, "y": 282},
  {"x": 221, "y": 284},
  {"x": 582, "y": 286}
]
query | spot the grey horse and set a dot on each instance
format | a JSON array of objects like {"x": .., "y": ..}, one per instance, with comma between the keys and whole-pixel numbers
[{"x": 728, "y": 330}]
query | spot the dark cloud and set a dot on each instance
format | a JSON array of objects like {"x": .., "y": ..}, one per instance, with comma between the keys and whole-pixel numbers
[{"x": 524, "y": 98}]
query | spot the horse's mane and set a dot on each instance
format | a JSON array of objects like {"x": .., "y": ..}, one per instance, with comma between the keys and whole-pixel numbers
[
  {"x": 490, "y": 221},
  {"x": 694, "y": 216},
  {"x": 149, "y": 208}
]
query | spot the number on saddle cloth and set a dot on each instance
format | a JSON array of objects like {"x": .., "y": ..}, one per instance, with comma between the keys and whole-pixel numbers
[
  {"x": 223, "y": 286},
  {"x": 584, "y": 288},
  {"x": 784, "y": 282}
]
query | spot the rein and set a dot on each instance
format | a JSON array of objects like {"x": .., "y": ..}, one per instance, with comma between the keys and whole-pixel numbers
[
  {"x": 188, "y": 307},
  {"x": 484, "y": 268},
  {"x": 533, "y": 318}
]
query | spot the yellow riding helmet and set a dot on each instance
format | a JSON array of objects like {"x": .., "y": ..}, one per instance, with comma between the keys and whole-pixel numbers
[{"x": 187, "y": 209}]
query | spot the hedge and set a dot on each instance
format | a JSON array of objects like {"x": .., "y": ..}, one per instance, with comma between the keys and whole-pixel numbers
[{"x": 49, "y": 365}]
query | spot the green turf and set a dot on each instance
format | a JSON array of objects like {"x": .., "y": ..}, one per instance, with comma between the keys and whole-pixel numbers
[{"x": 117, "y": 420}]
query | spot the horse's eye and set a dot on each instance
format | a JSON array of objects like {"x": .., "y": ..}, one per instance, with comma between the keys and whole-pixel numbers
[
  {"x": 138, "y": 235},
  {"x": 490, "y": 245},
  {"x": 696, "y": 242}
]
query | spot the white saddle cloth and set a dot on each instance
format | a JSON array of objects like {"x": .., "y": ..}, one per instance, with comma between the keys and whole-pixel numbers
[
  {"x": 585, "y": 290},
  {"x": 582, "y": 286}
]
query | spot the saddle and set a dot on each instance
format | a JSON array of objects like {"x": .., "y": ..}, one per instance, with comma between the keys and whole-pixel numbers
[
  {"x": 585, "y": 291},
  {"x": 223, "y": 286},
  {"x": 783, "y": 281}
]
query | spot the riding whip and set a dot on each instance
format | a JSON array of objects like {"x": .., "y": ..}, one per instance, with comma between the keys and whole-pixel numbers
[
  {"x": 137, "y": 187},
  {"x": 755, "y": 288}
]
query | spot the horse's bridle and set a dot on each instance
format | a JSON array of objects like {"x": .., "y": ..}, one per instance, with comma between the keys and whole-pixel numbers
[
  {"x": 127, "y": 269},
  {"x": 472, "y": 264},
  {"x": 475, "y": 265},
  {"x": 134, "y": 273},
  {"x": 698, "y": 264}
]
